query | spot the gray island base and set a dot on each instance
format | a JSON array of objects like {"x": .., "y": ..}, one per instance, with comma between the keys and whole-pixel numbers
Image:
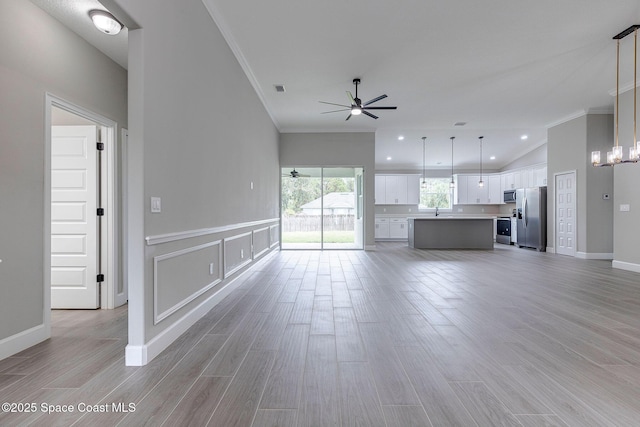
[{"x": 451, "y": 233}]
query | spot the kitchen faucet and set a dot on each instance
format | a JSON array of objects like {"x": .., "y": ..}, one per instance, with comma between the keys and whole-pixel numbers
[{"x": 436, "y": 211}]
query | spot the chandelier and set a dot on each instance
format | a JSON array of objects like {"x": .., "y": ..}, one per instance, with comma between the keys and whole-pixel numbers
[{"x": 615, "y": 156}]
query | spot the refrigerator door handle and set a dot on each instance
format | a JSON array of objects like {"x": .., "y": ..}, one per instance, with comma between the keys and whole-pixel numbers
[{"x": 524, "y": 208}]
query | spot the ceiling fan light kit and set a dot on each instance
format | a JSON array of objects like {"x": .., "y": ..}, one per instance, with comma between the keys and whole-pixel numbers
[
  {"x": 615, "y": 156},
  {"x": 357, "y": 107}
]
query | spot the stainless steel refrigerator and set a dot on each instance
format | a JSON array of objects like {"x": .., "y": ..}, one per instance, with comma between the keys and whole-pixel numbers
[{"x": 531, "y": 208}]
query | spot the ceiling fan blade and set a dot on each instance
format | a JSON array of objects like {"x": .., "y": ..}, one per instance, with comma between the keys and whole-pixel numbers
[
  {"x": 353, "y": 101},
  {"x": 335, "y": 111},
  {"x": 374, "y": 100},
  {"x": 369, "y": 114},
  {"x": 331, "y": 103},
  {"x": 381, "y": 108},
  {"x": 348, "y": 117}
]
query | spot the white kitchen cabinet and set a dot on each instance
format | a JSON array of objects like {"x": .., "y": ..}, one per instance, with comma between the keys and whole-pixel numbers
[
  {"x": 517, "y": 180},
  {"x": 382, "y": 228},
  {"x": 398, "y": 228},
  {"x": 476, "y": 195},
  {"x": 413, "y": 189},
  {"x": 507, "y": 181},
  {"x": 494, "y": 191},
  {"x": 380, "y": 190},
  {"x": 469, "y": 193},
  {"x": 540, "y": 176},
  {"x": 397, "y": 189},
  {"x": 460, "y": 190}
]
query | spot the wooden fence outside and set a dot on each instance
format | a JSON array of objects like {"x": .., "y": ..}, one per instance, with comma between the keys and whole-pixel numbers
[{"x": 292, "y": 223}]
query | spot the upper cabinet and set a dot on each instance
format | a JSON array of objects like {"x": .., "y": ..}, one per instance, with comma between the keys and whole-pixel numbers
[
  {"x": 397, "y": 189},
  {"x": 405, "y": 189},
  {"x": 468, "y": 192}
]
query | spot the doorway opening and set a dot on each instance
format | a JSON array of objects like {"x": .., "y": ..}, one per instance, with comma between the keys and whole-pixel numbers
[
  {"x": 322, "y": 208},
  {"x": 81, "y": 212}
]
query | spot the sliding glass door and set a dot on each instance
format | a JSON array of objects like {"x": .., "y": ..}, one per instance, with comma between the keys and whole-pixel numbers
[{"x": 322, "y": 208}]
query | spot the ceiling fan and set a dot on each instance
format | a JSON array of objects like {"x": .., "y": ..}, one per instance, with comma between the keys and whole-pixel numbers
[
  {"x": 357, "y": 107},
  {"x": 295, "y": 174}
]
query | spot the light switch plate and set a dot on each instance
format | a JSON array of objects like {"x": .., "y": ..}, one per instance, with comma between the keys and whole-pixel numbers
[{"x": 156, "y": 205}]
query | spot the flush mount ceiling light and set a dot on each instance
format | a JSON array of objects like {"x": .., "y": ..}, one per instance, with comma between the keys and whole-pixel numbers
[
  {"x": 105, "y": 22},
  {"x": 400, "y": 138},
  {"x": 615, "y": 155},
  {"x": 524, "y": 137}
]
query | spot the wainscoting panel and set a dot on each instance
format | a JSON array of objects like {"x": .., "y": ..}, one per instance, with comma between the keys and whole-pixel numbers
[
  {"x": 171, "y": 289},
  {"x": 237, "y": 252},
  {"x": 261, "y": 245},
  {"x": 274, "y": 232}
]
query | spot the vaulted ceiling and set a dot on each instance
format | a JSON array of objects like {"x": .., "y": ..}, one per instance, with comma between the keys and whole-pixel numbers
[{"x": 505, "y": 68}]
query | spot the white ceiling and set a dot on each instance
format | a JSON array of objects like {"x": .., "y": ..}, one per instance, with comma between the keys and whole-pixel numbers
[{"x": 504, "y": 67}]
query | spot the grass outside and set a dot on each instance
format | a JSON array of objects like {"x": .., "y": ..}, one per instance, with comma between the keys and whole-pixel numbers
[{"x": 314, "y": 237}]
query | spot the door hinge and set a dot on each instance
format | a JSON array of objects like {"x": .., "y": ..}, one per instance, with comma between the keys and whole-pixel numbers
[
  {"x": 100, "y": 212},
  {"x": 100, "y": 146},
  {"x": 100, "y": 278}
]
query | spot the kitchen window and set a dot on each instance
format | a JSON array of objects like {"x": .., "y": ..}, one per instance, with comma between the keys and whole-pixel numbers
[{"x": 436, "y": 194}]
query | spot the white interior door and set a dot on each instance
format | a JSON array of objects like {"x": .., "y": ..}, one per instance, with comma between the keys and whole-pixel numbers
[
  {"x": 74, "y": 224},
  {"x": 565, "y": 190}
]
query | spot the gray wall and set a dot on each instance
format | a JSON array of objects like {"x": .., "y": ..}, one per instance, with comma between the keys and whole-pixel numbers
[
  {"x": 200, "y": 135},
  {"x": 335, "y": 149},
  {"x": 534, "y": 157},
  {"x": 38, "y": 55},
  {"x": 569, "y": 149},
  {"x": 627, "y": 181}
]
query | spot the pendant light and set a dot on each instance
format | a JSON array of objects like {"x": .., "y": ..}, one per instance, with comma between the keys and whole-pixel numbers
[
  {"x": 424, "y": 161},
  {"x": 480, "y": 183},
  {"x": 616, "y": 154},
  {"x": 452, "y": 184}
]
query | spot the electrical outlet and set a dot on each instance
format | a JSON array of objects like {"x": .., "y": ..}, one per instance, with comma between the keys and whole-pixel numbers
[
  {"x": 252, "y": 185},
  {"x": 625, "y": 208},
  {"x": 211, "y": 269},
  {"x": 241, "y": 253}
]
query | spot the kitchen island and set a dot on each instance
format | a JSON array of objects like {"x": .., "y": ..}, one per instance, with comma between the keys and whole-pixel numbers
[{"x": 449, "y": 232}]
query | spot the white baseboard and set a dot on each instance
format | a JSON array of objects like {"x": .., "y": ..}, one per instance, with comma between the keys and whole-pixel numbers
[
  {"x": 629, "y": 266},
  {"x": 23, "y": 340},
  {"x": 551, "y": 250},
  {"x": 140, "y": 355},
  {"x": 593, "y": 255},
  {"x": 369, "y": 247}
]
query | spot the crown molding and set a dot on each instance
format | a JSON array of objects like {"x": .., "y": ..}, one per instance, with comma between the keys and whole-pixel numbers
[{"x": 235, "y": 48}]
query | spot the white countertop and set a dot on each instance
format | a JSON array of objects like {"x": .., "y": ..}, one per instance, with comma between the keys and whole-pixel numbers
[{"x": 449, "y": 217}]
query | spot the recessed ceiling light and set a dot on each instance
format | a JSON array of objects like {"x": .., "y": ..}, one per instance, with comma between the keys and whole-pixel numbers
[
  {"x": 492, "y": 158},
  {"x": 400, "y": 138},
  {"x": 523, "y": 137},
  {"x": 105, "y": 22},
  {"x": 388, "y": 157},
  {"x": 279, "y": 88},
  {"x": 460, "y": 123}
]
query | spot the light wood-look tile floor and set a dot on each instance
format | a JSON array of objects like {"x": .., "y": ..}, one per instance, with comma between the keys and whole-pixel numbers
[{"x": 395, "y": 337}]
